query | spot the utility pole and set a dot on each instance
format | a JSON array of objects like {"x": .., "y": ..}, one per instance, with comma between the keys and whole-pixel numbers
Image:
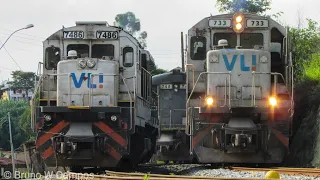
[
  {"x": 182, "y": 52},
  {"x": 11, "y": 143}
]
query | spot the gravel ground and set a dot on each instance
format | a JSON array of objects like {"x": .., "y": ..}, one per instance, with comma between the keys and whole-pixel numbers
[{"x": 201, "y": 170}]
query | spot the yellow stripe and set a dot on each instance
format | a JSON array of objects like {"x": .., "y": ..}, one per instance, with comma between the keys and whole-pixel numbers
[
  {"x": 78, "y": 107},
  {"x": 47, "y": 99}
]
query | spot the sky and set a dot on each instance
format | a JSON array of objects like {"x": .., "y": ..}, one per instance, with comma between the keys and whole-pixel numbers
[{"x": 163, "y": 20}]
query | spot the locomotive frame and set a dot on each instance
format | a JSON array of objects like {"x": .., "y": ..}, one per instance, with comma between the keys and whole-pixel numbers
[
  {"x": 239, "y": 116},
  {"x": 173, "y": 143},
  {"x": 100, "y": 122}
]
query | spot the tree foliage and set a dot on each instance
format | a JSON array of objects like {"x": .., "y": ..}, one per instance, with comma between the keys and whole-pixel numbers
[
  {"x": 158, "y": 71},
  {"x": 305, "y": 43},
  {"x": 129, "y": 22},
  {"x": 248, "y": 6},
  {"x": 20, "y": 125},
  {"x": 22, "y": 80}
]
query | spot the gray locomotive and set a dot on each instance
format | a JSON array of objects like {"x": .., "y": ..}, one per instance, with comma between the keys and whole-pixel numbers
[{"x": 173, "y": 144}]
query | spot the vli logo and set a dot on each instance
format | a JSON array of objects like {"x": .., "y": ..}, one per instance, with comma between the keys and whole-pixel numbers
[
  {"x": 83, "y": 77},
  {"x": 243, "y": 65}
]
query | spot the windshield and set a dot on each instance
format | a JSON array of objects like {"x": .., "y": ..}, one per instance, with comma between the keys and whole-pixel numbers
[
  {"x": 82, "y": 49},
  {"x": 100, "y": 50},
  {"x": 230, "y": 37},
  {"x": 247, "y": 40}
]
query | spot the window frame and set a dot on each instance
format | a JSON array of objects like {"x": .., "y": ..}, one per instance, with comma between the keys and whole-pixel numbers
[
  {"x": 124, "y": 56},
  {"x": 260, "y": 33},
  {"x": 89, "y": 55},
  {"x": 232, "y": 33},
  {"x": 112, "y": 45},
  {"x": 47, "y": 58},
  {"x": 192, "y": 47}
]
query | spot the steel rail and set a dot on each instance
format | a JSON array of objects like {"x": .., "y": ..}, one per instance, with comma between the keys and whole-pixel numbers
[
  {"x": 314, "y": 172},
  {"x": 133, "y": 176}
]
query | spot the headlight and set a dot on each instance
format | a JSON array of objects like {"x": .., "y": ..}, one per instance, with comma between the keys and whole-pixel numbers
[
  {"x": 47, "y": 117},
  {"x": 263, "y": 59},
  {"x": 91, "y": 63},
  {"x": 82, "y": 64},
  {"x": 209, "y": 101},
  {"x": 272, "y": 101},
  {"x": 113, "y": 118}
]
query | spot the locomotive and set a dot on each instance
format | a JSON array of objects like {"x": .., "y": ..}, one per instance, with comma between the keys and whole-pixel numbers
[
  {"x": 172, "y": 144},
  {"x": 95, "y": 99},
  {"x": 239, "y": 105}
]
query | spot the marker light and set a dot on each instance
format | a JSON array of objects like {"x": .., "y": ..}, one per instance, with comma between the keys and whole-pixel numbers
[
  {"x": 238, "y": 26},
  {"x": 91, "y": 63},
  {"x": 239, "y": 19},
  {"x": 82, "y": 64},
  {"x": 209, "y": 101},
  {"x": 272, "y": 101}
]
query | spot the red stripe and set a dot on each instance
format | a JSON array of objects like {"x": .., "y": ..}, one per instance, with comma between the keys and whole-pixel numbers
[
  {"x": 45, "y": 137},
  {"x": 200, "y": 135},
  {"x": 110, "y": 132},
  {"x": 281, "y": 137},
  {"x": 113, "y": 152},
  {"x": 47, "y": 153}
]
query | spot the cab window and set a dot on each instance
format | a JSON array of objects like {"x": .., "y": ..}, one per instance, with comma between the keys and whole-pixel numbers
[
  {"x": 249, "y": 40},
  {"x": 127, "y": 56},
  {"x": 230, "y": 37},
  {"x": 100, "y": 50},
  {"x": 52, "y": 57},
  {"x": 198, "y": 49},
  {"x": 82, "y": 49}
]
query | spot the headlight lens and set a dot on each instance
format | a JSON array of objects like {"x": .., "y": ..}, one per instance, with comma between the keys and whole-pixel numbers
[
  {"x": 82, "y": 64},
  {"x": 47, "y": 117},
  {"x": 272, "y": 101},
  {"x": 263, "y": 59},
  {"x": 114, "y": 118},
  {"x": 209, "y": 101},
  {"x": 91, "y": 63}
]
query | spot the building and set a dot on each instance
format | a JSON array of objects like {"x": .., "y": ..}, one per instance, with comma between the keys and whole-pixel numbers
[{"x": 16, "y": 95}]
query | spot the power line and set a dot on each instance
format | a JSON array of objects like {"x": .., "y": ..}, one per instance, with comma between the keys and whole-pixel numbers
[
  {"x": 11, "y": 57},
  {"x": 24, "y": 33}
]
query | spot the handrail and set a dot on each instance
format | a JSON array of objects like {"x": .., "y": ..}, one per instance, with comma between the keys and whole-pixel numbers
[
  {"x": 187, "y": 103},
  {"x": 253, "y": 91}
]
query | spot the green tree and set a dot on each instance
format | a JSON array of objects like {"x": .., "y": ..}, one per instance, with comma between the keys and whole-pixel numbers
[
  {"x": 156, "y": 71},
  {"x": 19, "y": 135},
  {"x": 129, "y": 22},
  {"x": 248, "y": 6},
  {"x": 22, "y": 81},
  {"x": 305, "y": 43}
]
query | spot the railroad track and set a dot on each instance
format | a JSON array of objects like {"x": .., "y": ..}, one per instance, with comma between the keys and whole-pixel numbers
[
  {"x": 311, "y": 172},
  {"x": 314, "y": 172},
  {"x": 140, "y": 176}
]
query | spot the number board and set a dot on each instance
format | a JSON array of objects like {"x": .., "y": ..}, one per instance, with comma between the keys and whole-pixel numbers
[
  {"x": 107, "y": 35},
  {"x": 220, "y": 23},
  {"x": 73, "y": 34},
  {"x": 165, "y": 86},
  {"x": 257, "y": 23},
  {"x": 183, "y": 86}
]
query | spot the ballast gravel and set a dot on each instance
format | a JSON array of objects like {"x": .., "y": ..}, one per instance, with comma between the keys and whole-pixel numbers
[{"x": 203, "y": 170}]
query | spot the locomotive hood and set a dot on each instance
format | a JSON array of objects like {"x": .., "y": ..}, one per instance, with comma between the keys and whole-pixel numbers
[
  {"x": 95, "y": 86},
  {"x": 240, "y": 63}
]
